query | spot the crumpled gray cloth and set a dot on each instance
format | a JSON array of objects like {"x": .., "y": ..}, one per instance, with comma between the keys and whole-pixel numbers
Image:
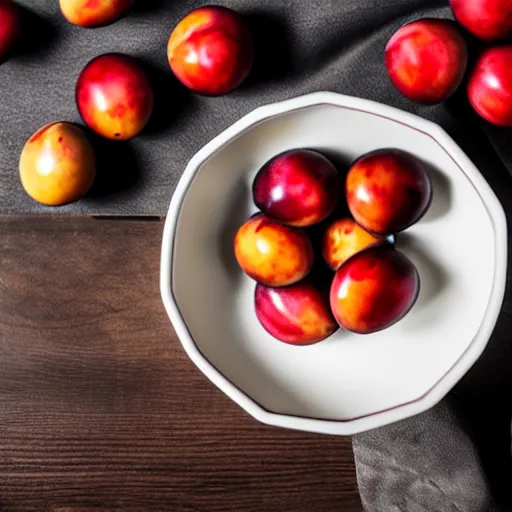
[{"x": 427, "y": 463}]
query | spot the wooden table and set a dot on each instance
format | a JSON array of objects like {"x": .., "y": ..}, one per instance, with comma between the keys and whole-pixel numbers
[{"x": 100, "y": 408}]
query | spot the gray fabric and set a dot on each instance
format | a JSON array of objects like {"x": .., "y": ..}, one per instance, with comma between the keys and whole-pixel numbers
[
  {"x": 302, "y": 46},
  {"x": 427, "y": 463}
]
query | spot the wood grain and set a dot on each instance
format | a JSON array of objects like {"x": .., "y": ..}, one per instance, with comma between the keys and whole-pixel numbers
[{"x": 100, "y": 408}]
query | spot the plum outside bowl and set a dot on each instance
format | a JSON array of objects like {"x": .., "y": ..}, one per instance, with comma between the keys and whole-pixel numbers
[{"x": 348, "y": 383}]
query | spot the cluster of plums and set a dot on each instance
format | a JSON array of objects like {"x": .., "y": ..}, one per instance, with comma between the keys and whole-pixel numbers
[
  {"x": 426, "y": 59},
  {"x": 305, "y": 223},
  {"x": 210, "y": 51}
]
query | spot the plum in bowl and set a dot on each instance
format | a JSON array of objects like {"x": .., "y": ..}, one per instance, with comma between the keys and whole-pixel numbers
[{"x": 348, "y": 382}]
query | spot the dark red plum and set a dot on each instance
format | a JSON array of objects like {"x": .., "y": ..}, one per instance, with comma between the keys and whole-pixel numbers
[
  {"x": 388, "y": 190},
  {"x": 94, "y": 13},
  {"x": 490, "y": 86},
  {"x": 374, "y": 289},
  {"x": 211, "y": 50},
  {"x": 487, "y": 19},
  {"x": 426, "y": 60},
  {"x": 114, "y": 96},
  {"x": 299, "y": 187},
  {"x": 298, "y": 314},
  {"x": 271, "y": 253},
  {"x": 10, "y": 26},
  {"x": 343, "y": 238}
]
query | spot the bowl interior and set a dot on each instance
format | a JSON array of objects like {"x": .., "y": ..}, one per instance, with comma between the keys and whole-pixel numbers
[{"x": 348, "y": 376}]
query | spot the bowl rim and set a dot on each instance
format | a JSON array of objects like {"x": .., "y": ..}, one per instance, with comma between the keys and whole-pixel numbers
[{"x": 401, "y": 411}]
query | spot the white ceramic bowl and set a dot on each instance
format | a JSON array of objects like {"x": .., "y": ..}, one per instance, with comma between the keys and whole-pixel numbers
[{"x": 348, "y": 383}]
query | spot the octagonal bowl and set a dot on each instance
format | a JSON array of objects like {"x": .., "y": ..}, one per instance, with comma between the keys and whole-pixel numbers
[{"x": 348, "y": 383}]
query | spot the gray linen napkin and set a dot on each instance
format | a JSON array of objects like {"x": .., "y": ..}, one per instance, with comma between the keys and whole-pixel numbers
[{"x": 427, "y": 463}]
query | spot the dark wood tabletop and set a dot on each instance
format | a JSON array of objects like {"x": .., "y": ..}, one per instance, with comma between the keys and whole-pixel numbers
[{"x": 101, "y": 409}]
